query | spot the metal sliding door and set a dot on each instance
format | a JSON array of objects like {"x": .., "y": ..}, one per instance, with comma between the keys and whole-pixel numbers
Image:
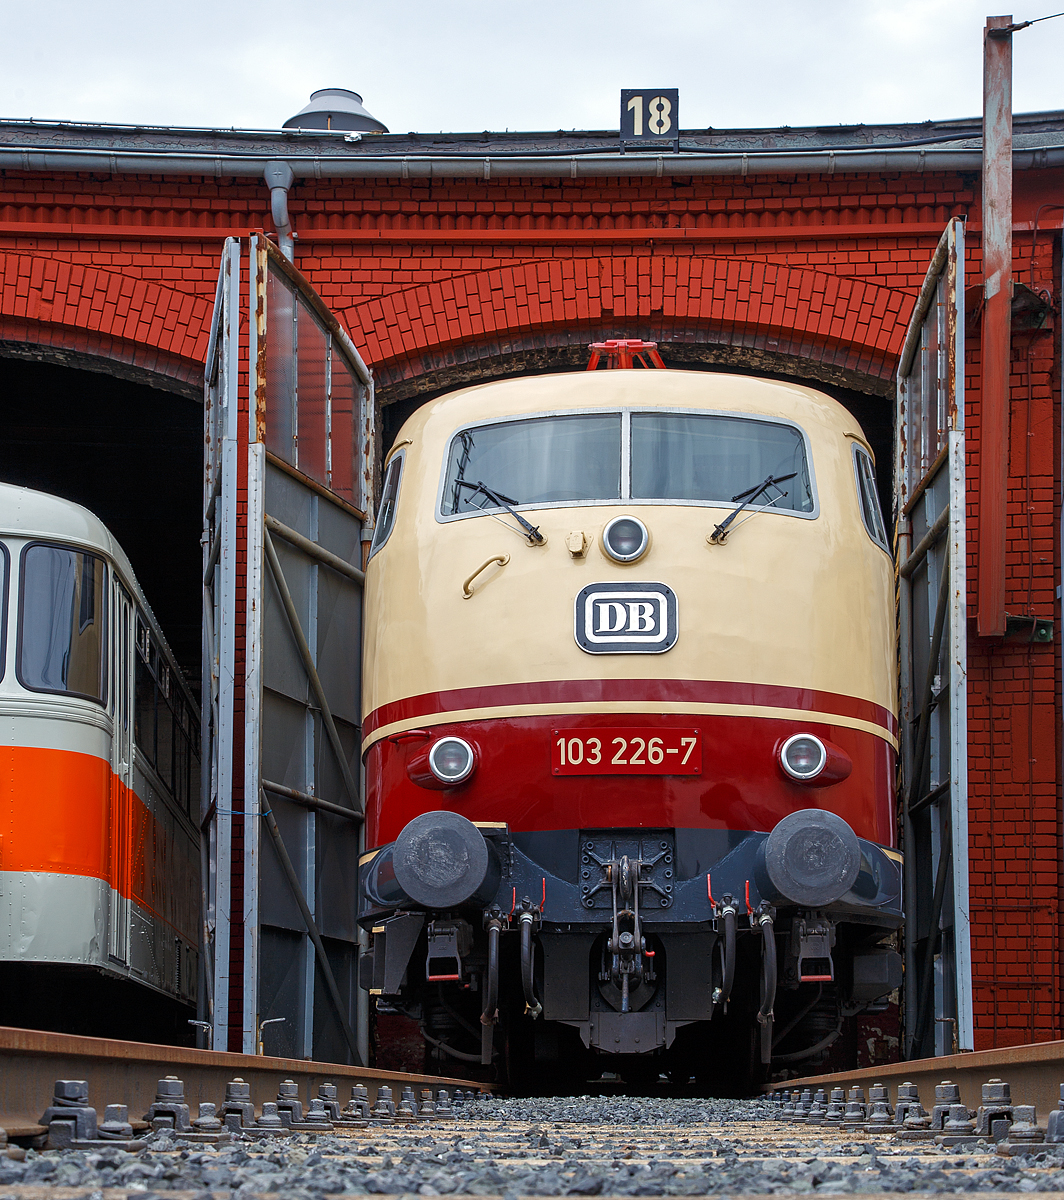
[
  {"x": 219, "y": 678},
  {"x": 295, "y": 745},
  {"x": 930, "y": 516},
  {"x": 307, "y": 499}
]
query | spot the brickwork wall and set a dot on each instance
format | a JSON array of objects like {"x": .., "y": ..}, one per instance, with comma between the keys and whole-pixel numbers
[
  {"x": 432, "y": 277},
  {"x": 1013, "y": 702}
]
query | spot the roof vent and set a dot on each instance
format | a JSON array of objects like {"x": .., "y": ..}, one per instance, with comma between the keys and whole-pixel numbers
[{"x": 335, "y": 108}]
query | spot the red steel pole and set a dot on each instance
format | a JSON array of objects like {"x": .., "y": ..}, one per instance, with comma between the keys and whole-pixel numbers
[{"x": 996, "y": 346}]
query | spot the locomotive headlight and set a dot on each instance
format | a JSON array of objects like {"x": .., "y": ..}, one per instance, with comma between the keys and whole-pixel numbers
[
  {"x": 625, "y": 539},
  {"x": 452, "y": 760},
  {"x": 803, "y": 757}
]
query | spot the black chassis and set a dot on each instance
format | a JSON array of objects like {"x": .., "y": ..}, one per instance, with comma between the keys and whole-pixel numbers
[{"x": 686, "y": 878}]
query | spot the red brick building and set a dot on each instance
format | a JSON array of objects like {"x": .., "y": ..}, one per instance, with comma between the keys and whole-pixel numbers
[{"x": 453, "y": 259}]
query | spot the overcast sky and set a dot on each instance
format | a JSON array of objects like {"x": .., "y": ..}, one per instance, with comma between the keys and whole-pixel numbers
[{"x": 461, "y": 65}]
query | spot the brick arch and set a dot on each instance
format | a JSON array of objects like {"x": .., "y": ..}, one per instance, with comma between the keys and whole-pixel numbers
[
  {"x": 709, "y": 310},
  {"x": 100, "y": 320}
]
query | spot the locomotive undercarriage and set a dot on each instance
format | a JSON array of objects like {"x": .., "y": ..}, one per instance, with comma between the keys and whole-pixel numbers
[{"x": 643, "y": 951}]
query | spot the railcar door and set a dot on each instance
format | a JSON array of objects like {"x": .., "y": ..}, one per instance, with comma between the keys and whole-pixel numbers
[
  {"x": 121, "y": 771},
  {"x": 286, "y": 826},
  {"x": 930, "y": 531}
]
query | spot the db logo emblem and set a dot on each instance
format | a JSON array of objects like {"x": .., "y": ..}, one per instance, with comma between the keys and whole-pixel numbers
[{"x": 626, "y": 618}]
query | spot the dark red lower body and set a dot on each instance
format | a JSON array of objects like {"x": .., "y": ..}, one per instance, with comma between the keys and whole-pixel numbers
[{"x": 741, "y": 785}]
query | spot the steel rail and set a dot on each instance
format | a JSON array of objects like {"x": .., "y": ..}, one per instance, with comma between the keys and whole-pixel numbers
[
  {"x": 121, "y": 1072},
  {"x": 1035, "y": 1073}
]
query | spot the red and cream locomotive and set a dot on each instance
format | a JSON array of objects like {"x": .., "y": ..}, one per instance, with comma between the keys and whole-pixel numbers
[{"x": 629, "y": 726}]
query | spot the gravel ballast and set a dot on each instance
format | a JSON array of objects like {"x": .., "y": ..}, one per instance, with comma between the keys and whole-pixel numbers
[{"x": 572, "y": 1146}]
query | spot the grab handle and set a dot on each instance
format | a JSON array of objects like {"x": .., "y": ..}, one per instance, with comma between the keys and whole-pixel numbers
[{"x": 501, "y": 559}]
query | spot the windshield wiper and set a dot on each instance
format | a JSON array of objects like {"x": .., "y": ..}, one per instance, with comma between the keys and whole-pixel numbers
[
  {"x": 532, "y": 532},
  {"x": 720, "y": 532}
]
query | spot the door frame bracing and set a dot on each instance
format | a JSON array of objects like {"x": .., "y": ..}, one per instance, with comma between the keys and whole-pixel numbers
[{"x": 929, "y": 481}]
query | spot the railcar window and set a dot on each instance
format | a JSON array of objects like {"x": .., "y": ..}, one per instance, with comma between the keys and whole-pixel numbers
[
  {"x": 868, "y": 495},
  {"x": 63, "y": 622},
  {"x": 183, "y": 763},
  {"x": 692, "y": 457},
  {"x": 144, "y": 689},
  {"x": 535, "y": 461},
  {"x": 389, "y": 499},
  {"x": 164, "y": 723},
  {"x": 164, "y": 727}
]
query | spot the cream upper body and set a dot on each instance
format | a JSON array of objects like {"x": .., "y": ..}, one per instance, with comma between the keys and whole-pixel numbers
[{"x": 794, "y": 599}]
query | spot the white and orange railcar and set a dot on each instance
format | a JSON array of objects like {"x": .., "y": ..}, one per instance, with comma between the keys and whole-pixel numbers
[
  {"x": 99, "y": 772},
  {"x": 629, "y": 691}
]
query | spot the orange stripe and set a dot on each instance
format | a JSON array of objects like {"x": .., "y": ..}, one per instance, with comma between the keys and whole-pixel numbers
[
  {"x": 64, "y": 812},
  {"x": 68, "y": 813},
  {"x": 56, "y": 816}
]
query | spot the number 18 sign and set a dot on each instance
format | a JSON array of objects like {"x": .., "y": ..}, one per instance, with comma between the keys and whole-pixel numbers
[{"x": 650, "y": 114}]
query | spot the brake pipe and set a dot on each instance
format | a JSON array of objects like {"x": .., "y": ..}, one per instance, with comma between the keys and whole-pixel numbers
[
  {"x": 526, "y": 920},
  {"x": 730, "y": 917},
  {"x": 765, "y": 917},
  {"x": 490, "y": 1013}
]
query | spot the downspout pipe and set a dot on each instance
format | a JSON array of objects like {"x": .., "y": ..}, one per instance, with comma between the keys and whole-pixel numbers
[
  {"x": 279, "y": 177},
  {"x": 995, "y": 339}
]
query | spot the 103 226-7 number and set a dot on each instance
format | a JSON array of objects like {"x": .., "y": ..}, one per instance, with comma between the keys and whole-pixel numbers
[{"x": 626, "y": 752}]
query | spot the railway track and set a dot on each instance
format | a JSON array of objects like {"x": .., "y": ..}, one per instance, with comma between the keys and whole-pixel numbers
[
  {"x": 129, "y": 1074},
  {"x": 838, "y": 1135},
  {"x": 615, "y": 1146},
  {"x": 1034, "y": 1072}
]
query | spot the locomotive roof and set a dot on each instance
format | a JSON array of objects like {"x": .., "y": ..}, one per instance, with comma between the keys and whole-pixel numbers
[{"x": 712, "y": 390}]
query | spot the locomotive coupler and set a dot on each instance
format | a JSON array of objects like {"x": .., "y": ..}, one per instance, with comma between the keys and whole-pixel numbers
[{"x": 629, "y": 961}]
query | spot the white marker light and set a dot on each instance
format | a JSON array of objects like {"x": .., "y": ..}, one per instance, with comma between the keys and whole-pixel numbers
[
  {"x": 452, "y": 760},
  {"x": 803, "y": 756}
]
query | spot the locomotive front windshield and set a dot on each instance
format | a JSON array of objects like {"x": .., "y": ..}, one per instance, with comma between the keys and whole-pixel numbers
[
  {"x": 717, "y": 458},
  {"x": 707, "y": 458},
  {"x": 538, "y": 461}
]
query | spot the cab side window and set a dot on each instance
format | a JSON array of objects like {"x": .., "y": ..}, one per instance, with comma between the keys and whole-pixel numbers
[
  {"x": 389, "y": 499},
  {"x": 868, "y": 497}
]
